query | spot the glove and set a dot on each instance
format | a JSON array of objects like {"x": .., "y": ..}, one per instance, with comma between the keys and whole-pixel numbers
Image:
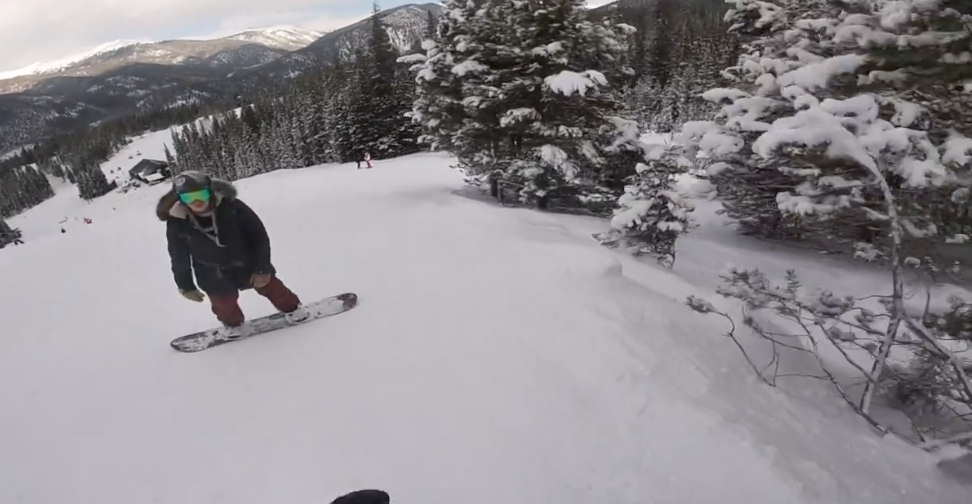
[
  {"x": 260, "y": 280},
  {"x": 192, "y": 295}
]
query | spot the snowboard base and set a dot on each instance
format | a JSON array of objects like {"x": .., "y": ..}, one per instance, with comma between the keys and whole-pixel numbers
[{"x": 326, "y": 307}]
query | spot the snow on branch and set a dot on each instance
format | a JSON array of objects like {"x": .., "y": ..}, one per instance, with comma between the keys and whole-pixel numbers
[
  {"x": 569, "y": 83},
  {"x": 844, "y": 333}
]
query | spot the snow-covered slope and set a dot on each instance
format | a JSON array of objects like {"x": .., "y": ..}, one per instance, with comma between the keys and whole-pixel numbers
[{"x": 497, "y": 355}]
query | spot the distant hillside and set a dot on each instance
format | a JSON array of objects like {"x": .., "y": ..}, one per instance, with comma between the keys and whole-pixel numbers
[{"x": 124, "y": 77}]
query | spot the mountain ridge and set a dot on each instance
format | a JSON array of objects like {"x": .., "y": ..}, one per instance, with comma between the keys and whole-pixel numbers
[
  {"x": 130, "y": 78},
  {"x": 115, "y": 54}
]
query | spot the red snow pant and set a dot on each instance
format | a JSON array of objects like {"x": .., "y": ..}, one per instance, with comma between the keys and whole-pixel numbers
[{"x": 227, "y": 307}]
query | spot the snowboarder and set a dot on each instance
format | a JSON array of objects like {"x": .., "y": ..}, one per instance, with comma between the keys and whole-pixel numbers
[{"x": 219, "y": 237}]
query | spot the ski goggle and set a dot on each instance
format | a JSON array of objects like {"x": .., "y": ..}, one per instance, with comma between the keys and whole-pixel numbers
[{"x": 194, "y": 196}]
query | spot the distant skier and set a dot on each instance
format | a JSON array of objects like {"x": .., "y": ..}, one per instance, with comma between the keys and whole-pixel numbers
[
  {"x": 217, "y": 236},
  {"x": 364, "y": 158}
]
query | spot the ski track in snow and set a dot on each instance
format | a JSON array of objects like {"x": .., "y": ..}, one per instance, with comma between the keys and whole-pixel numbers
[{"x": 497, "y": 355}]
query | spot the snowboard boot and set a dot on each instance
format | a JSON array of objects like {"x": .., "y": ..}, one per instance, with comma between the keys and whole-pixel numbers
[
  {"x": 231, "y": 333},
  {"x": 298, "y": 315}
]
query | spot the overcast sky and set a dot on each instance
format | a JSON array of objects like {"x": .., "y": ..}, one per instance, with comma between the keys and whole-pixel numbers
[{"x": 45, "y": 30}]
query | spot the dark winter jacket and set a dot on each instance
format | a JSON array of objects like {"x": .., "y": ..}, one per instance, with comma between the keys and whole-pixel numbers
[{"x": 235, "y": 247}]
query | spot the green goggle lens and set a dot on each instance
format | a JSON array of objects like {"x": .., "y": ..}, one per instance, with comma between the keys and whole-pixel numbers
[{"x": 191, "y": 197}]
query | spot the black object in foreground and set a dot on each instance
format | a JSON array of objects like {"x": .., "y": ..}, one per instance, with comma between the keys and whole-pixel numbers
[{"x": 364, "y": 497}]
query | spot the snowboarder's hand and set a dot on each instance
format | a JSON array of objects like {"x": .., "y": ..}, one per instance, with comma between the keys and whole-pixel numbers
[
  {"x": 193, "y": 295},
  {"x": 260, "y": 280}
]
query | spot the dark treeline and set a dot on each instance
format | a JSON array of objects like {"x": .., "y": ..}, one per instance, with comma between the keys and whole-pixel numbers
[{"x": 679, "y": 52}]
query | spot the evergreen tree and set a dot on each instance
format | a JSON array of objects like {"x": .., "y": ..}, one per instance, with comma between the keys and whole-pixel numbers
[
  {"x": 22, "y": 188},
  {"x": 92, "y": 181},
  {"x": 817, "y": 139},
  {"x": 651, "y": 214},
  {"x": 522, "y": 89},
  {"x": 679, "y": 52},
  {"x": 438, "y": 107}
]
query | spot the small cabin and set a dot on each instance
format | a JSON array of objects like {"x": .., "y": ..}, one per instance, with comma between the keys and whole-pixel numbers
[{"x": 150, "y": 171}]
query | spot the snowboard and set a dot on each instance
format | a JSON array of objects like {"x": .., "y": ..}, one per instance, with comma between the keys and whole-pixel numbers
[{"x": 326, "y": 307}]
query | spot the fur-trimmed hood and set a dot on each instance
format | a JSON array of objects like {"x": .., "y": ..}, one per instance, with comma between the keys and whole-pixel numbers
[{"x": 170, "y": 207}]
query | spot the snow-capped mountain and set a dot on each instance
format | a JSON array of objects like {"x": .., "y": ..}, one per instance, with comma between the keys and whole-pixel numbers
[
  {"x": 280, "y": 37},
  {"x": 270, "y": 43},
  {"x": 65, "y": 63},
  {"x": 405, "y": 25}
]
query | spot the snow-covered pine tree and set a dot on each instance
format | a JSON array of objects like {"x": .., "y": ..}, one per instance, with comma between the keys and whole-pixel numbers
[
  {"x": 22, "y": 187},
  {"x": 663, "y": 45},
  {"x": 690, "y": 50},
  {"x": 448, "y": 107},
  {"x": 179, "y": 152},
  {"x": 345, "y": 144},
  {"x": 285, "y": 146},
  {"x": 821, "y": 104},
  {"x": 404, "y": 137},
  {"x": 437, "y": 109},
  {"x": 219, "y": 151},
  {"x": 230, "y": 142},
  {"x": 315, "y": 115},
  {"x": 361, "y": 129},
  {"x": 748, "y": 185},
  {"x": 380, "y": 110},
  {"x": 561, "y": 97},
  {"x": 92, "y": 182},
  {"x": 521, "y": 88},
  {"x": 651, "y": 214},
  {"x": 822, "y": 72},
  {"x": 169, "y": 158}
]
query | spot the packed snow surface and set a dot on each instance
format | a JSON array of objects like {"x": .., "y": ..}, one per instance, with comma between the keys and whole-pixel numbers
[{"x": 497, "y": 356}]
